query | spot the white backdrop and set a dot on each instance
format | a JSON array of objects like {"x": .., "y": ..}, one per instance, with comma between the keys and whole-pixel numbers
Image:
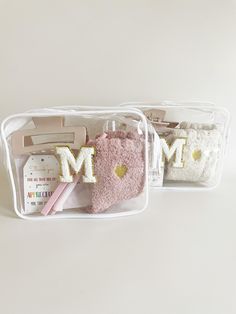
[{"x": 180, "y": 255}]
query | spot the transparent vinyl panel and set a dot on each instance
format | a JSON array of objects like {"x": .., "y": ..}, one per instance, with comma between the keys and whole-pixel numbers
[
  {"x": 75, "y": 162},
  {"x": 187, "y": 143}
]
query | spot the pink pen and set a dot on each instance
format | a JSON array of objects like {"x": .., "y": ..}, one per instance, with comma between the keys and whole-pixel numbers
[
  {"x": 54, "y": 197},
  {"x": 58, "y": 205}
]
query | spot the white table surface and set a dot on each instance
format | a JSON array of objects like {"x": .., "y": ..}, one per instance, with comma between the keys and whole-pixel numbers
[{"x": 179, "y": 256}]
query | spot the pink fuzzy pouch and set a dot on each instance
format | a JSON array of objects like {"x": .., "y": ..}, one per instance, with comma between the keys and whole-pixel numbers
[{"x": 119, "y": 168}]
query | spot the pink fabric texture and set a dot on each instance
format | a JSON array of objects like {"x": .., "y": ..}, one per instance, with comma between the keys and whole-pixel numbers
[{"x": 117, "y": 149}]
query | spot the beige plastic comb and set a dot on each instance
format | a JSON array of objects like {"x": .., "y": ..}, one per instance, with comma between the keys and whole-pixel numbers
[{"x": 48, "y": 133}]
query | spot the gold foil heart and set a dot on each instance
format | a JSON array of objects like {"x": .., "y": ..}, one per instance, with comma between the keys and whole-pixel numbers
[
  {"x": 197, "y": 154},
  {"x": 120, "y": 171}
]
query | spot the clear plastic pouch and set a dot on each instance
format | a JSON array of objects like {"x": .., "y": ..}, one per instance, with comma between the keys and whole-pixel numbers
[
  {"x": 192, "y": 143},
  {"x": 70, "y": 162}
]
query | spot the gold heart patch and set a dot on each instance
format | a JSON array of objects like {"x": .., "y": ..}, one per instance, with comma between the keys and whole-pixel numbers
[
  {"x": 120, "y": 171},
  {"x": 197, "y": 154}
]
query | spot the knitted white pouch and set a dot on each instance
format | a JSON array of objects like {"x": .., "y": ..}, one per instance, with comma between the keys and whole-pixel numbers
[
  {"x": 190, "y": 153},
  {"x": 200, "y": 155}
]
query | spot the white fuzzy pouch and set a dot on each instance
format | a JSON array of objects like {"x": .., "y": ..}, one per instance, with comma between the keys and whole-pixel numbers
[
  {"x": 200, "y": 155},
  {"x": 187, "y": 155}
]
